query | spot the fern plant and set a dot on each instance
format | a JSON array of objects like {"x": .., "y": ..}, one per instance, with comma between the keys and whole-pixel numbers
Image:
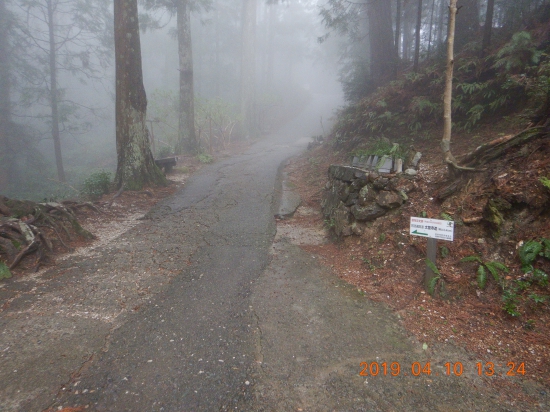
[
  {"x": 433, "y": 281},
  {"x": 446, "y": 216},
  {"x": 518, "y": 53},
  {"x": 486, "y": 268},
  {"x": 528, "y": 254}
]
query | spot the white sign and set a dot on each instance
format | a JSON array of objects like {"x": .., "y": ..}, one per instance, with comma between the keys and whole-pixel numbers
[{"x": 432, "y": 228}]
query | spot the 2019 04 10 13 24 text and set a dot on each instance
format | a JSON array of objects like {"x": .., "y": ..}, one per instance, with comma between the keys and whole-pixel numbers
[{"x": 447, "y": 369}]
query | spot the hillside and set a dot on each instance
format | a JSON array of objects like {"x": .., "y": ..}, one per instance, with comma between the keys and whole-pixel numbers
[{"x": 501, "y": 312}]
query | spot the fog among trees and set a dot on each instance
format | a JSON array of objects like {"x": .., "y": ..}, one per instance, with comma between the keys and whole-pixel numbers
[
  {"x": 57, "y": 77},
  {"x": 214, "y": 72}
]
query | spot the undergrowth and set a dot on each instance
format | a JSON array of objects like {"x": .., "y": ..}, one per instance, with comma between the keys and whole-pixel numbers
[
  {"x": 515, "y": 75},
  {"x": 96, "y": 185},
  {"x": 380, "y": 148},
  {"x": 532, "y": 286}
]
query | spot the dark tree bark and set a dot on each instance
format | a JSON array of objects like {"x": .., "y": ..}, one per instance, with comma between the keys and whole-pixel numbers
[
  {"x": 417, "y": 36},
  {"x": 408, "y": 25},
  {"x": 381, "y": 41},
  {"x": 248, "y": 69},
  {"x": 136, "y": 166},
  {"x": 5, "y": 102},
  {"x": 187, "y": 141},
  {"x": 467, "y": 23},
  {"x": 431, "y": 29},
  {"x": 488, "y": 27},
  {"x": 398, "y": 13},
  {"x": 54, "y": 96}
]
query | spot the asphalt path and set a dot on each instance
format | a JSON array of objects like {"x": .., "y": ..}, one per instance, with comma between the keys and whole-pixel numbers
[
  {"x": 193, "y": 347},
  {"x": 248, "y": 321}
]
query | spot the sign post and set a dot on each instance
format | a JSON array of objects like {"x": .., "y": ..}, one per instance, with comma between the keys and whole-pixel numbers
[{"x": 432, "y": 229}]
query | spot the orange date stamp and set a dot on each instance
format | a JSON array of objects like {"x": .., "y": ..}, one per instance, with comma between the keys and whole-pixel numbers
[{"x": 449, "y": 369}]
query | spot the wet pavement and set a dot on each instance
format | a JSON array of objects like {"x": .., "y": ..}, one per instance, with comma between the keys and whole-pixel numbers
[{"x": 201, "y": 308}]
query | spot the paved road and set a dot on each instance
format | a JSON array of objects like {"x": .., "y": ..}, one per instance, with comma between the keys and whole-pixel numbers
[{"x": 240, "y": 322}]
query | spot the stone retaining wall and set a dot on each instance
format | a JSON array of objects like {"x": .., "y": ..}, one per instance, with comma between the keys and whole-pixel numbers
[{"x": 354, "y": 196}]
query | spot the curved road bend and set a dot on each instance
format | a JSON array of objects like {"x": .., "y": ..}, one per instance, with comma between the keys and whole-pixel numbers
[{"x": 246, "y": 323}]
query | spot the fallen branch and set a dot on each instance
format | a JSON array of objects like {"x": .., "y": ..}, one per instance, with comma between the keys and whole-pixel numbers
[{"x": 496, "y": 148}]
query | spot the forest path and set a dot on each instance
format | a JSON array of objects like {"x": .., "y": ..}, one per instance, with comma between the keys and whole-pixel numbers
[{"x": 196, "y": 309}]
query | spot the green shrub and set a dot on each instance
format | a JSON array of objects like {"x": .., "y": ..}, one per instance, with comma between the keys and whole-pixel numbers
[
  {"x": 96, "y": 185},
  {"x": 164, "y": 151},
  {"x": 205, "y": 158}
]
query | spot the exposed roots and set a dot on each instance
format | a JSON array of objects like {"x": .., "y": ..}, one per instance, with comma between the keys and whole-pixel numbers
[
  {"x": 458, "y": 168},
  {"x": 20, "y": 221}
]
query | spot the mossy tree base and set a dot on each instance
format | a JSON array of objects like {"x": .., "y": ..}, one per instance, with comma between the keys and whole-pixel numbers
[{"x": 136, "y": 167}]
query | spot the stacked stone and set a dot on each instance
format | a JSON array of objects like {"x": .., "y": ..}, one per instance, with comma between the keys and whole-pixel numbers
[
  {"x": 388, "y": 164},
  {"x": 354, "y": 196}
]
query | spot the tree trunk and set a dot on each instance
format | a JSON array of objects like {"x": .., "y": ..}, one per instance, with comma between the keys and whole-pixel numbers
[
  {"x": 187, "y": 140},
  {"x": 136, "y": 166},
  {"x": 488, "y": 28},
  {"x": 448, "y": 96},
  {"x": 398, "y": 13},
  {"x": 54, "y": 93},
  {"x": 407, "y": 30},
  {"x": 248, "y": 69},
  {"x": 441, "y": 24},
  {"x": 417, "y": 36},
  {"x": 5, "y": 103},
  {"x": 381, "y": 40},
  {"x": 431, "y": 29},
  {"x": 467, "y": 23}
]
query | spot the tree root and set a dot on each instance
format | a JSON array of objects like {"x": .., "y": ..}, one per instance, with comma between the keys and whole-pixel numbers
[
  {"x": 20, "y": 235},
  {"x": 70, "y": 249},
  {"x": 117, "y": 194},
  {"x": 28, "y": 249},
  {"x": 458, "y": 168}
]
